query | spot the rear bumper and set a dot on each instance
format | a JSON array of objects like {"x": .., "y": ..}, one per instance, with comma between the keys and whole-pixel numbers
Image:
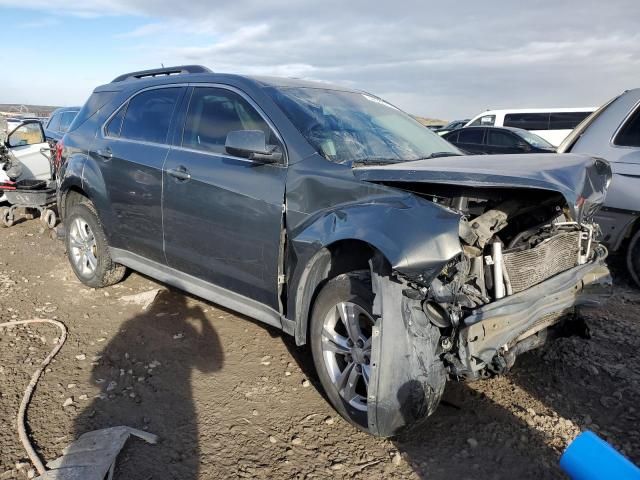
[{"x": 500, "y": 325}]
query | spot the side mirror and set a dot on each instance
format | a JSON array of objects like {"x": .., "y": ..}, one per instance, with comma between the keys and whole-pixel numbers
[
  {"x": 252, "y": 144},
  {"x": 27, "y": 133}
]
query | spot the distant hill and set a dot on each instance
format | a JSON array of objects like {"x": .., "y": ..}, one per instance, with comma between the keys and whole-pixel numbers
[
  {"x": 430, "y": 121},
  {"x": 9, "y": 109}
]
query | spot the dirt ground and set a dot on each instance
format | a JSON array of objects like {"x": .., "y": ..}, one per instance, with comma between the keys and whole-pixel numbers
[{"x": 232, "y": 398}]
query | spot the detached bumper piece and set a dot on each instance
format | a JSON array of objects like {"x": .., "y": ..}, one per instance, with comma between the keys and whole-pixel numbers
[{"x": 495, "y": 333}]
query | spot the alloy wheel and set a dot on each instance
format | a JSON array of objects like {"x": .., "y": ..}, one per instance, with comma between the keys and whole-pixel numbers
[
  {"x": 83, "y": 247},
  {"x": 346, "y": 349}
]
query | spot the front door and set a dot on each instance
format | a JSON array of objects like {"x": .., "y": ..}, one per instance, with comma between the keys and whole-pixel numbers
[
  {"x": 130, "y": 154},
  {"x": 223, "y": 214},
  {"x": 28, "y": 145}
]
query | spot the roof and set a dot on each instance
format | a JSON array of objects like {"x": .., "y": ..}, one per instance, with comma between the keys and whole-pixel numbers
[
  {"x": 65, "y": 109},
  {"x": 200, "y": 74}
]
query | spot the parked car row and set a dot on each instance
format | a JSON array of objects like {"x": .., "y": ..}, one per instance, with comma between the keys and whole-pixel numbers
[
  {"x": 548, "y": 127},
  {"x": 400, "y": 260},
  {"x": 552, "y": 124},
  {"x": 495, "y": 140}
]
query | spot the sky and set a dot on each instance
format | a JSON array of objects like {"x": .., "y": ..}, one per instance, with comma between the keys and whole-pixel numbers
[{"x": 439, "y": 59}]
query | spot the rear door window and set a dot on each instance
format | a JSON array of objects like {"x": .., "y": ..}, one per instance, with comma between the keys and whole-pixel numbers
[
  {"x": 213, "y": 113},
  {"x": 629, "y": 135},
  {"x": 527, "y": 121},
  {"x": 501, "y": 138},
  {"x": 148, "y": 115},
  {"x": 471, "y": 135},
  {"x": 566, "y": 120}
]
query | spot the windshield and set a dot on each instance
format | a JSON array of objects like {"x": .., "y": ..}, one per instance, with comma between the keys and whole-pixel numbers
[
  {"x": 534, "y": 140},
  {"x": 347, "y": 127}
]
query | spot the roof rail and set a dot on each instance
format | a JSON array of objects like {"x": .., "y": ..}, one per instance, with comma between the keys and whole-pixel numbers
[{"x": 154, "y": 72}]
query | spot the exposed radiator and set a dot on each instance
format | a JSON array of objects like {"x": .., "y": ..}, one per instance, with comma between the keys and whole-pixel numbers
[{"x": 554, "y": 255}]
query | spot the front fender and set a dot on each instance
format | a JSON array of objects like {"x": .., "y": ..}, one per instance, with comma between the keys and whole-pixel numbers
[{"x": 415, "y": 236}]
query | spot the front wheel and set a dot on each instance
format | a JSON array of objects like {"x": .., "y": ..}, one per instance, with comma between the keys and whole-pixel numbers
[
  {"x": 341, "y": 329},
  {"x": 88, "y": 249}
]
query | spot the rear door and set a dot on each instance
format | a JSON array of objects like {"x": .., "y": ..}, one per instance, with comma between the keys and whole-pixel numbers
[
  {"x": 471, "y": 139},
  {"x": 130, "y": 151},
  {"x": 222, "y": 213}
]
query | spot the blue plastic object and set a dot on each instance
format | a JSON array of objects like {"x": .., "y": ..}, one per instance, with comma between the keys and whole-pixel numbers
[{"x": 589, "y": 457}]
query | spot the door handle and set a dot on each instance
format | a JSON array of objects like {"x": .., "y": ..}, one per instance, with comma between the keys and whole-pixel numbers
[
  {"x": 105, "y": 153},
  {"x": 180, "y": 173}
]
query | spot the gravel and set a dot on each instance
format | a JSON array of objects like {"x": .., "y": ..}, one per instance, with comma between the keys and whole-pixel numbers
[{"x": 217, "y": 406}]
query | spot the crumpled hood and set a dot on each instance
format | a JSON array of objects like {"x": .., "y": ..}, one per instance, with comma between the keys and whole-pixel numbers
[{"x": 582, "y": 180}]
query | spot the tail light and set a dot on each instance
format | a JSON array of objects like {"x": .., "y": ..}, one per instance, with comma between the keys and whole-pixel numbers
[{"x": 58, "y": 155}]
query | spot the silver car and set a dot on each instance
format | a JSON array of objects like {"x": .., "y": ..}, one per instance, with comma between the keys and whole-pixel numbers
[{"x": 613, "y": 133}]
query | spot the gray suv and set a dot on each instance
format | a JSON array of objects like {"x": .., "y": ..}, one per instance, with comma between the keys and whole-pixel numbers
[{"x": 336, "y": 217}]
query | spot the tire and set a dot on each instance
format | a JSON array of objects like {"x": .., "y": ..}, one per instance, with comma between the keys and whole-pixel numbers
[
  {"x": 87, "y": 248},
  {"x": 49, "y": 218},
  {"x": 633, "y": 258},
  {"x": 349, "y": 289},
  {"x": 6, "y": 218}
]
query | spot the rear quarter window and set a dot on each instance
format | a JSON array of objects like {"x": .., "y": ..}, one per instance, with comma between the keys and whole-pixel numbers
[
  {"x": 629, "y": 134},
  {"x": 96, "y": 101}
]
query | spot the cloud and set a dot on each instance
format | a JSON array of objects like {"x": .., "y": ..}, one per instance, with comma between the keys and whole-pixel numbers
[
  {"x": 41, "y": 23},
  {"x": 143, "y": 30},
  {"x": 442, "y": 59}
]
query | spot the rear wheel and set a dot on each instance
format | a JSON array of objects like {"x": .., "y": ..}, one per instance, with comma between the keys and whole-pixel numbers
[
  {"x": 341, "y": 328},
  {"x": 88, "y": 249},
  {"x": 633, "y": 258}
]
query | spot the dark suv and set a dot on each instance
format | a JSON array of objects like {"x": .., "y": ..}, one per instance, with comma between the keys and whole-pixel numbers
[{"x": 338, "y": 218}]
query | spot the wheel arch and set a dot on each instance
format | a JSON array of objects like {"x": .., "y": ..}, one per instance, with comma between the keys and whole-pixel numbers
[
  {"x": 70, "y": 196},
  {"x": 328, "y": 262}
]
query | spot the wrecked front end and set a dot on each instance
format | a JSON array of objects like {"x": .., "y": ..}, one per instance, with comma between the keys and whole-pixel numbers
[{"x": 529, "y": 255}]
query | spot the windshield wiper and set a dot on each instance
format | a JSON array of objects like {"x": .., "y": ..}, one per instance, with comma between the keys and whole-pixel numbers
[
  {"x": 375, "y": 161},
  {"x": 440, "y": 155},
  {"x": 386, "y": 161}
]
